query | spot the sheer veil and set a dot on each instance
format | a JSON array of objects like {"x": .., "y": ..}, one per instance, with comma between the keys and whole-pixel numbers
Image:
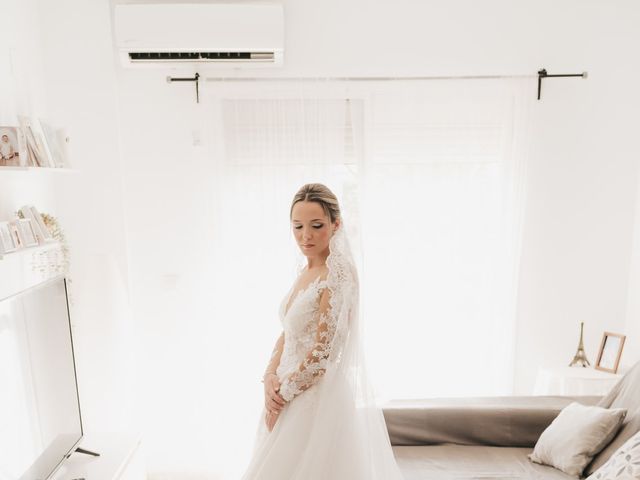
[{"x": 345, "y": 399}]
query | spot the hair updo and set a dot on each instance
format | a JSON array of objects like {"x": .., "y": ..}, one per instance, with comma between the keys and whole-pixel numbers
[{"x": 317, "y": 192}]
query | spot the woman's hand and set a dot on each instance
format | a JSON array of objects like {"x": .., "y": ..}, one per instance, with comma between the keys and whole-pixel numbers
[
  {"x": 273, "y": 401},
  {"x": 271, "y": 419}
]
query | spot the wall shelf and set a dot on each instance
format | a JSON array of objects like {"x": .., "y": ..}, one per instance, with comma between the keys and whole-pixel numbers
[
  {"x": 49, "y": 169},
  {"x": 27, "y": 267}
]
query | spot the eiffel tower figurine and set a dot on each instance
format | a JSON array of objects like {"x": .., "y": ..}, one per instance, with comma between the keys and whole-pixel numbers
[{"x": 580, "y": 356}]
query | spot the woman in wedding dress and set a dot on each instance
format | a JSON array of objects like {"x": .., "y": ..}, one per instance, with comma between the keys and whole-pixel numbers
[{"x": 320, "y": 420}]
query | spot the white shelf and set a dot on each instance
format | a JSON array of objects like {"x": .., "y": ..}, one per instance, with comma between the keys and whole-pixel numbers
[
  {"x": 120, "y": 459},
  {"x": 27, "y": 267},
  {"x": 49, "y": 169},
  {"x": 27, "y": 250}
]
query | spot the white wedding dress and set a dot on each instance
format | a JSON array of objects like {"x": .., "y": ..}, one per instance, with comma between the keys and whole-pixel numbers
[{"x": 331, "y": 428}]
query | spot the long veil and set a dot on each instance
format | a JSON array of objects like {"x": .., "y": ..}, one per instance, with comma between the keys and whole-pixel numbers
[{"x": 346, "y": 410}]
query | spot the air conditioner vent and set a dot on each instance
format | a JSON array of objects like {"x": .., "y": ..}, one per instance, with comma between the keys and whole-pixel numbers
[{"x": 201, "y": 56}]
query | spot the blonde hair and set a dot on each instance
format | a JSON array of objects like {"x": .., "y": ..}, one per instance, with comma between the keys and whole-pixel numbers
[{"x": 317, "y": 192}]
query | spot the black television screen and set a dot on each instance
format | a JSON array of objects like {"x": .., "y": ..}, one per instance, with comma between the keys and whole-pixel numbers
[{"x": 40, "y": 422}]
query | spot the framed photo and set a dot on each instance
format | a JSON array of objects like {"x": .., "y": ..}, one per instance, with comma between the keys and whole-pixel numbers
[
  {"x": 14, "y": 235},
  {"x": 37, "y": 218},
  {"x": 610, "y": 352},
  {"x": 56, "y": 143},
  {"x": 13, "y": 151},
  {"x": 37, "y": 149},
  {"x": 26, "y": 233},
  {"x": 42, "y": 232},
  {"x": 7, "y": 243}
]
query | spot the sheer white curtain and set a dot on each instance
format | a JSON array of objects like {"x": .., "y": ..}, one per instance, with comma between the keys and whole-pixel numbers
[
  {"x": 431, "y": 179},
  {"x": 270, "y": 140},
  {"x": 443, "y": 194}
]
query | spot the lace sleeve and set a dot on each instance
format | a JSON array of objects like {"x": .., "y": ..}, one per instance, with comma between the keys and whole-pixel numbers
[
  {"x": 275, "y": 356},
  {"x": 314, "y": 364}
]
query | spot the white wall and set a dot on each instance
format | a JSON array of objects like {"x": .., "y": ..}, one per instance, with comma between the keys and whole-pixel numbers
[
  {"x": 81, "y": 93},
  {"x": 131, "y": 137},
  {"x": 21, "y": 91},
  {"x": 583, "y": 173},
  {"x": 632, "y": 329},
  {"x": 578, "y": 233},
  {"x": 582, "y": 191},
  {"x": 56, "y": 66}
]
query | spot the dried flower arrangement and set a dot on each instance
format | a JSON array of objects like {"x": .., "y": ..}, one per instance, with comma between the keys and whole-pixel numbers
[{"x": 57, "y": 233}]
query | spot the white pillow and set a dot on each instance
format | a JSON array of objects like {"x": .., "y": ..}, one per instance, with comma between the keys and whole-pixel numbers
[
  {"x": 622, "y": 465},
  {"x": 576, "y": 435}
]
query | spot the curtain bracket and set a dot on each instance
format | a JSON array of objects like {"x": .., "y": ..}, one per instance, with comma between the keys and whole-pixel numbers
[
  {"x": 188, "y": 79},
  {"x": 543, "y": 74}
]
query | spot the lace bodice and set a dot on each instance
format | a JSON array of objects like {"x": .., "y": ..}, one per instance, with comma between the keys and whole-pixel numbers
[{"x": 307, "y": 338}]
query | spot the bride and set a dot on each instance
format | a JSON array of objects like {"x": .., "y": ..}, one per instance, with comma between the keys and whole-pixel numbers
[{"x": 320, "y": 420}]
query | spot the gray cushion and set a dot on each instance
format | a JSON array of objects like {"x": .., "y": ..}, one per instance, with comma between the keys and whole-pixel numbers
[{"x": 624, "y": 394}]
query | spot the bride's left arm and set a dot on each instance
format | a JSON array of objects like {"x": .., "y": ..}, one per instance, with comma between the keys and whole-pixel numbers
[{"x": 313, "y": 366}]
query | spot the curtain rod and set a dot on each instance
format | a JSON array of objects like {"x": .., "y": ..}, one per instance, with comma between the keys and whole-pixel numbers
[
  {"x": 355, "y": 79},
  {"x": 541, "y": 74}
]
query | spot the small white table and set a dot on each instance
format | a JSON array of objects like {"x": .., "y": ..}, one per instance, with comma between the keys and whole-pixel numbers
[{"x": 574, "y": 381}]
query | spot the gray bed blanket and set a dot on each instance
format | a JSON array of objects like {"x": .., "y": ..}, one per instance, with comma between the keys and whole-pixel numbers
[{"x": 471, "y": 462}]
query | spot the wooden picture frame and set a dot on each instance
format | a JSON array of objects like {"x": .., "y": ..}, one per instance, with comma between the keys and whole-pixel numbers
[{"x": 609, "y": 352}]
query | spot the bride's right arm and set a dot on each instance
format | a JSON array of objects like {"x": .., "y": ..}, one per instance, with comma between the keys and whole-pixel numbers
[{"x": 275, "y": 356}]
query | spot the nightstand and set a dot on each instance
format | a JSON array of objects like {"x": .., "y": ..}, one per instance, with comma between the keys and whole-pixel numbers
[{"x": 574, "y": 381}]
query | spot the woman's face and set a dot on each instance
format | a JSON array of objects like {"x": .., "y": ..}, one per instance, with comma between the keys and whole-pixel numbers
[{"x": 311, "y": 227}]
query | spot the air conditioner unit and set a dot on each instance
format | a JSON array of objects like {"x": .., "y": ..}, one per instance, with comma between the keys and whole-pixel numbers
[{"x": 186, "y": 34}]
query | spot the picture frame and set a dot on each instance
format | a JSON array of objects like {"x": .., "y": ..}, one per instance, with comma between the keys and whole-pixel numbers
[
  {"x": 37, "y": 219},
  {"x": 42, "y": 232},
  {"x": 38, "y": 151},
  {"x": 609, "y": 352},
  {"x": 34, "y": 157},
  {"x": 26, "y": 232},
  {"x": 13, "y": 152},
  {"x": 7, "y": 242},
  {"x": 55, "y": 139},
  {"x": 14, "y": 235}
]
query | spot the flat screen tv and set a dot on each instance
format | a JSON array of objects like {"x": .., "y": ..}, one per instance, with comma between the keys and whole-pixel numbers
[{"x": 40, "y": 421}]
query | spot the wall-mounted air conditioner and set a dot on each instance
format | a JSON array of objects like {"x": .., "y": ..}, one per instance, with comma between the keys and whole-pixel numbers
[{"x": 186, "y": 34}]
